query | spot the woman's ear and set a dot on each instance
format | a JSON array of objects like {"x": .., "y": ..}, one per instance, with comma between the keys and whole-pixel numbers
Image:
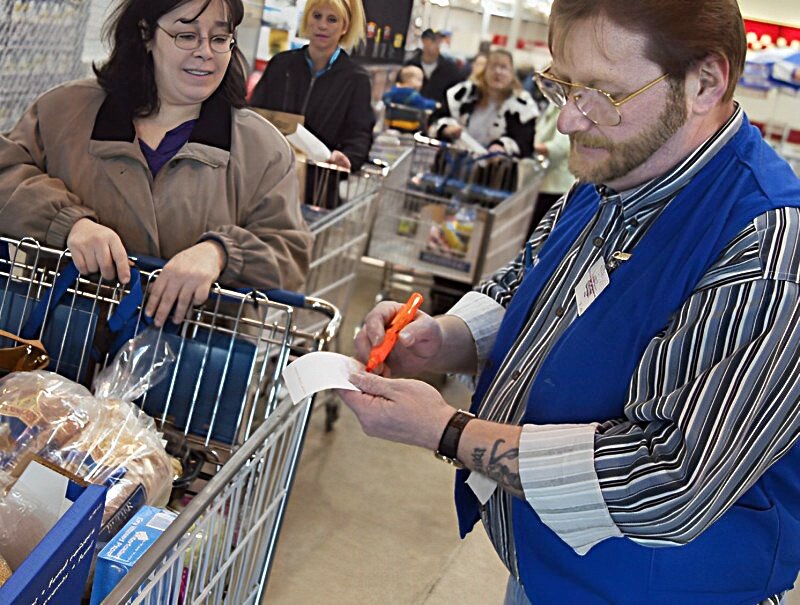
[
  {"x": 707, "y": 82},
  {"x": 144, "y": 32}
]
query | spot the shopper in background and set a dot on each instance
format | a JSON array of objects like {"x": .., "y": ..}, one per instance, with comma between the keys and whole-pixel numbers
[
  {"x": 440, "y": 72},
  {"x": 636, "y": 433},
  {"x": 494, "y": 109},
  {"x": 406, "y": 90},
  {"x": 497, "y": 113},
  {"x": 527, "y": 76},
  {"x": 446, "y": 50},
  {"x": 553, "y": 146},
  {"x": 322, "y": 83},
  {"x": 477, "y": 66},
  {"x": 157, "y": 157},
  {"x": 445, "y": 42}
]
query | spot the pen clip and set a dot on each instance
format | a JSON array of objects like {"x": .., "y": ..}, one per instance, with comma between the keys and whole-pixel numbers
[{"x": 616, "y": 259}]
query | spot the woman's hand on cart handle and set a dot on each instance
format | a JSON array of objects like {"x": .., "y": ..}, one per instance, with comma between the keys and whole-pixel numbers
[
  {"x": 417, "y": 344},
  {"x": 185, "y": 281},
  {"x": 96, "y": 248},
  {"x": 452, "y": 132},
  {"x": 340, "y": 159}
]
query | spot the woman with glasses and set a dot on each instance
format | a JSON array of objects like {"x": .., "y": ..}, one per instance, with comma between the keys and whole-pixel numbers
[
  {"x": 321, "y": 82},
  {"x": 158, "y": 157},
  {"x": 492, "y": 107}
]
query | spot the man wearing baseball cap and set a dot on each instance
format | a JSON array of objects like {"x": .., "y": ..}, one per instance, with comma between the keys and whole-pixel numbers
[{"x": 440, "y": 72}]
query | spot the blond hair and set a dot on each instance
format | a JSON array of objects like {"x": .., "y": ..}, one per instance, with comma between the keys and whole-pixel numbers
[
  {"x": 483, "y": 86},
  {"x": 350, "y": 11},
  {"x": 407, "y": 71}
]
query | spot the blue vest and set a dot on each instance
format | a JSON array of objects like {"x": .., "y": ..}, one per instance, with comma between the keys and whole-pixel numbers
[{"x": 753, "y": 550}]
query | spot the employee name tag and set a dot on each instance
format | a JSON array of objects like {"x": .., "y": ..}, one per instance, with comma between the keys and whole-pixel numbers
[{"x": 593, "y": 282}]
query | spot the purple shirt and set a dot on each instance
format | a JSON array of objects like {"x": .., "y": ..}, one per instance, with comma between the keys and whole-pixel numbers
[{"x": 173, "y": 140}]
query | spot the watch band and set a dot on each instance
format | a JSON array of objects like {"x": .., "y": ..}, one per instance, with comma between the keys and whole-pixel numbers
[{"x": 448, "y": 444}]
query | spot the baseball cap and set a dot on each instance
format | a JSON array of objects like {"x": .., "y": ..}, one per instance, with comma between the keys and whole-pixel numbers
[{"x": 429, "y": 34}]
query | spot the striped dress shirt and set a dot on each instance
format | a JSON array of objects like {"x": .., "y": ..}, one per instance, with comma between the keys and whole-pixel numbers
[{"x": 693, "y": 437}]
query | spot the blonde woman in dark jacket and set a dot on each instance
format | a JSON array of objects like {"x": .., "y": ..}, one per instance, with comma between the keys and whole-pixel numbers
[
  {"x": 322, "y": 83},
  {"x": 159, "y": 157}
]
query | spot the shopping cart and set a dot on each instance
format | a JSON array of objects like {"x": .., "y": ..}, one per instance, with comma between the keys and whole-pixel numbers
[
  {"x": 234, "y": 348},
  {"x": 339, "y": 214},
  {"x": 340, "y": 218},
  {"x": 405, "y": 119},
  {"x": 457, "y": 215}
]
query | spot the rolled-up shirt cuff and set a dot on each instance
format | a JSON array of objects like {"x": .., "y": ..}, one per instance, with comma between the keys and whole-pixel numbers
[
  {"x": 483, "y": 316},
  {"x": 556, "y": 469}
]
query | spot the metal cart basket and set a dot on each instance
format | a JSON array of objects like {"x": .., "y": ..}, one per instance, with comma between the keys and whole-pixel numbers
[
  {"x": 339, "y": 213},
  {"x": 457, "y": 215},
  {"x": 224, "y": 396}
]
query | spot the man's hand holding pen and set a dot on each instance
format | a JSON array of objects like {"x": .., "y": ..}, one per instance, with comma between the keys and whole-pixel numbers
[
  {"x": 407, "y": 411},
  {"x": 417, "y": 343}
]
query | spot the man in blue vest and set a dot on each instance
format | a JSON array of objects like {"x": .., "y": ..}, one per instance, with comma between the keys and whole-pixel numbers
[{"x": 638, "y": 404}]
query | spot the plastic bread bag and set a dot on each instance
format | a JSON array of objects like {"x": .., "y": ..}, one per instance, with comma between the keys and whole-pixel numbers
[
  {"x": 22, "y": 525},
  {"x": 102, "y": 438}
]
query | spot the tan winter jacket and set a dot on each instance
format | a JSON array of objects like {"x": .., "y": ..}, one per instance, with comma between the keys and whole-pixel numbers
[{"x": 75, "y": 154}]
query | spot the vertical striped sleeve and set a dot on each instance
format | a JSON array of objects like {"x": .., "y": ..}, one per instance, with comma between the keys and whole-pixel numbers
[{"x": 713, "y": 403}]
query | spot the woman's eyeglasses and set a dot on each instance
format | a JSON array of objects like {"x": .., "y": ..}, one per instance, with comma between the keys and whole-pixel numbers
[
  {"x": 596, "y": 104},
  {"x": 219, "y": 43}
]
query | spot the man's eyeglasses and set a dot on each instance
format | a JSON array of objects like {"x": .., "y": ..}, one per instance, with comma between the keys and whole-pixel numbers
[
  {"x": 219, "y": 43},
  {"x": 597, "y": 105}
]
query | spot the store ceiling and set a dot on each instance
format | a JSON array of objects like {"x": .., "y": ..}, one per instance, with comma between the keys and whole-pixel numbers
[{"x": 532, "y": 9}]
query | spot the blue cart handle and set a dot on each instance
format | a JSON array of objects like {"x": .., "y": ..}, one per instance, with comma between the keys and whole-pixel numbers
[
  {"x": 284, "y": 297},
  {"x": 68, "y": 276}
]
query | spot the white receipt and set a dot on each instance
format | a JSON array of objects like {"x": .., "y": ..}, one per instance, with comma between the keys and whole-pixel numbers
[
  {"x": 318, "y": 371},
  {"x": 305, "y": 142}
]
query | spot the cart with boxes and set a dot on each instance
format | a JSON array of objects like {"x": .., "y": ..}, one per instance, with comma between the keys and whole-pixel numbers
[{"x": 457, "y": 214}]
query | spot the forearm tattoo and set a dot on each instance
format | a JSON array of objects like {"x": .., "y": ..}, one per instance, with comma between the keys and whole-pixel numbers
[{"x": 496, "y": 467}]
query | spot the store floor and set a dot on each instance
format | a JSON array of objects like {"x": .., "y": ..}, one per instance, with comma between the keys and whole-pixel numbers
[
  {"x": 370, "y": 521},
  {"x": 373, "y": 522}
]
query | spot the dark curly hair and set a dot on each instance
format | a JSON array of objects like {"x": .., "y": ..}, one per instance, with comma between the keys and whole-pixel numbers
[{"x": 129, "y": 73}]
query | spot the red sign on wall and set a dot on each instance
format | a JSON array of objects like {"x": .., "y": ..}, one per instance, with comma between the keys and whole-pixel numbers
[{"x": 763, "y": 34}]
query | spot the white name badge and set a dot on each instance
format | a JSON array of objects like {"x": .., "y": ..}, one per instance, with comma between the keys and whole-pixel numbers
[{"x": 594, "y": 281}]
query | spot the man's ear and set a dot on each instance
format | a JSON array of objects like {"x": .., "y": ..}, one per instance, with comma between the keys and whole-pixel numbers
[{"x": 706, "y": 83}]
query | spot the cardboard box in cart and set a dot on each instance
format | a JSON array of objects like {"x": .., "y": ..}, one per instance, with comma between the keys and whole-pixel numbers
[
  {"x": 127, "y": 547},
  {"x": 55, "y": 572}
]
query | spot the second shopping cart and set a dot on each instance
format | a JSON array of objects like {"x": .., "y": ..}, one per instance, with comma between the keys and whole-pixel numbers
[{"x": 458, "y": 215}]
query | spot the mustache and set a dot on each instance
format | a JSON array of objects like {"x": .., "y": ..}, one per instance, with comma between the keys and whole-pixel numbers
[{"x": 590, "y": 141}]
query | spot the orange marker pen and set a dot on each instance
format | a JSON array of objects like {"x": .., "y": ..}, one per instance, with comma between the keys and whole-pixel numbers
[{"x": 403, "y": 317}]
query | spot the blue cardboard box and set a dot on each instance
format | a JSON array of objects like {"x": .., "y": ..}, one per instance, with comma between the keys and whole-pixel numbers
[
  {"x": 126, "y": 548},
  {"x": 57, "y": 569}
]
